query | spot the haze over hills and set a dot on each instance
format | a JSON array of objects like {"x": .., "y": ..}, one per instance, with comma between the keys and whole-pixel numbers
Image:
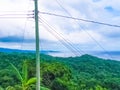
[
  {"x": 115, "y": 55},
  {"x": 26, "y": 51}
]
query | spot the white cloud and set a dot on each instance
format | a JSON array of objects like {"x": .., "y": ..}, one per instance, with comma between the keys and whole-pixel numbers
[
  {"x": 82, "y": 37},
  {"x": 70, "y": 29}
]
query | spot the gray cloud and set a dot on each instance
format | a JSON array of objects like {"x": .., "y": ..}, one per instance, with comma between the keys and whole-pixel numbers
[{"x": 15, "y": 39}]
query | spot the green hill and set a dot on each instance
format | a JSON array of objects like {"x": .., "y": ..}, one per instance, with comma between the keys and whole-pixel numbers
[{"x": 74, "y": 73}]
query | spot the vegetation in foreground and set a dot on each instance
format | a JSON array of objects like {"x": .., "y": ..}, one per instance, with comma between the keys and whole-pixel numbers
[{"x": 17, "y": 72}]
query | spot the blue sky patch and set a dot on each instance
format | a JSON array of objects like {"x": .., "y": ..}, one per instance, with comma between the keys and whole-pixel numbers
[
  {"x": 96, "y": 0},
  {"x": 109, "y": 8},
  {"x": 112, "y": 11}
]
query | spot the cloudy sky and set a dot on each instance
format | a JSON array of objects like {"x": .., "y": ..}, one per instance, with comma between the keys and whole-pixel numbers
[{"x": 19, "y": 33}]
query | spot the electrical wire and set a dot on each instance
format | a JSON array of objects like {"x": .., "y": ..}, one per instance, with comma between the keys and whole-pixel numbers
[
  {"x": 23, "y": 37},
  {"x": 24, "y": 29},
  {"x": 64, "y": 41},
  {"x": 14, "y": 11},
  {"x": 86, "y": 31},
  {"x": 18, "y": 17},
  {"x": 79, "y": 19},
  {"x": 15, "y": 14}
]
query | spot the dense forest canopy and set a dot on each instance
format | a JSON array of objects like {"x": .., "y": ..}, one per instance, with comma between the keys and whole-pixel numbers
[{"x": 17, "y": 72}]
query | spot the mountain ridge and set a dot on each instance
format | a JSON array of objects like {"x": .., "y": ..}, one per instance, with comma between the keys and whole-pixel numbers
[{"x": 27, "y": 51}]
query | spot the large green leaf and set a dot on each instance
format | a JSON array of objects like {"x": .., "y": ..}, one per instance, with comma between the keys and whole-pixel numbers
[
  {"x": 17, "y": 71},
  {"x": 9, "y": 88},
  {"x": 31, "y": 81},
  {"x": 25, "y": 71}
]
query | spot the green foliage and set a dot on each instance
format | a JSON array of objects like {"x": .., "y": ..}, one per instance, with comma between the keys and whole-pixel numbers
[
  {"x": 10, "y": 88},
  {"x": 25, "y": 81},
  {"x": 52, "y": 72},
  {"x": 73, "y": 73},
  {"x": 43, "y": 88},
  {"x": 17, "y": 72},
  {"x": 6, "y": 78},
  {"x": 1, "y": 88}
]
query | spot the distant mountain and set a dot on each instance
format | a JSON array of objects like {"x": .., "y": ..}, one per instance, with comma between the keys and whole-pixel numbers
[
  {"x": 107, "y": 55},
  {"x": 14, "y": 50},
  {"x": 26, "y": 51},
  {"x": 110, "y": 53}
]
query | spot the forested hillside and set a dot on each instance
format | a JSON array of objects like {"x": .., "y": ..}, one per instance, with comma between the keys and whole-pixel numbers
[{"x": 17, "y": 72}]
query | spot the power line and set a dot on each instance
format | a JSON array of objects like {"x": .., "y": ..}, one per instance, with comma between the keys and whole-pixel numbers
[
  {"x": 62, "y": 7},
  {"x": 15, "y": 14},
  {"x": 69, "y": 48},
  {"x": 80, "y": 19},
  {"x": 84, "y": 30},
  {"x": 18, "y": 17},
  {"x": 14, "y": 11},
  {"x": 24, "y": 29},
  {"x": 65, "y": 42}
]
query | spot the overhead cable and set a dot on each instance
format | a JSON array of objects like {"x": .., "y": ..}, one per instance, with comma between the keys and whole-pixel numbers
[
  {"x": 80, "y": 19},
  {"x": 61, "y": 5},
  {"x": 65, "y": 42}
]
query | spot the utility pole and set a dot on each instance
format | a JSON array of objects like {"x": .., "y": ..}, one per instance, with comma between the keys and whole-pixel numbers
[{"x": 37, "y": 45}]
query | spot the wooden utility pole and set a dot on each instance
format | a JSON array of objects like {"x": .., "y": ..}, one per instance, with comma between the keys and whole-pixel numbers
[{"x": 37, "y": 45}]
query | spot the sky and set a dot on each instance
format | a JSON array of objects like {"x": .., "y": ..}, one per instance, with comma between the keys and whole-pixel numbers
[{"x": 19, "y": 33}]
